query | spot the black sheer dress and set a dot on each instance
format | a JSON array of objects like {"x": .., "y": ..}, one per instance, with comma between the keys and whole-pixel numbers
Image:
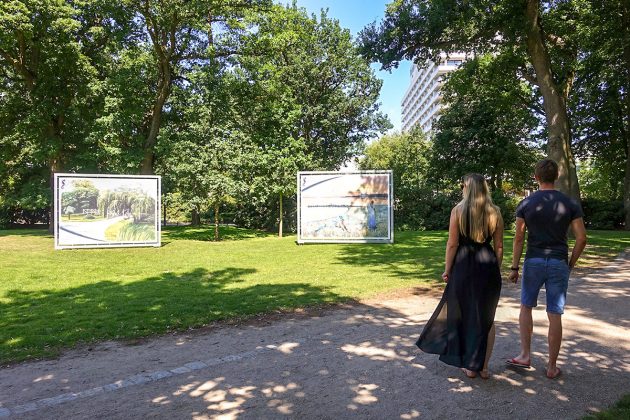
[{"x": 458, "y": 329}]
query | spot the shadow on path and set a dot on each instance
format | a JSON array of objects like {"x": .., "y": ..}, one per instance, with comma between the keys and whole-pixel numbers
[{"x": 39, "y": 323}]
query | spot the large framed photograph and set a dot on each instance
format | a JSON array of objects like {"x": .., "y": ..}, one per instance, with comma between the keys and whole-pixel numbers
[
  {"x": 95, "y": 211},
  {"x": 345, "y": 207}
]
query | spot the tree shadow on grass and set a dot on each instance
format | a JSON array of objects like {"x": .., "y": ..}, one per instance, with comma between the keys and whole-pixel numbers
[
  {"x": 25, "y": 233},
  {"x": 40, "y": 323},
  {"x": 413, "y": 255},
  {"x": 206, "y": 233}
]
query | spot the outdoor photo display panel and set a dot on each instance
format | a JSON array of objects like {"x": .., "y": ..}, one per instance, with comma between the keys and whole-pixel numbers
[
  {"x": 345, "y": 207},
  {"x": 94, "y": 211}
]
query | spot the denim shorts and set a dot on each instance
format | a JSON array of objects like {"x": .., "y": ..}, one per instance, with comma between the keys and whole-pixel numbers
[{"x": 550, "y": 272}]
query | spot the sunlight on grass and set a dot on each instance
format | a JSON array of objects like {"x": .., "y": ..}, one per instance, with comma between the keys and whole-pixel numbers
[{"x": 54, "y": 299}]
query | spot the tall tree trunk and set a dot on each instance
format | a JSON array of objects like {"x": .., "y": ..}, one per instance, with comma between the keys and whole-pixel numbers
[
  {"x": 54, "y": 168},
  {"x": 216, "y": 222},
  {"x": 626, "y": 187},
  {"x": 54, "y": 134},
  {"x": 164, "y": 91},
  {"x": 280, "y": 221},
  {"x": 625, "y": 16},
  {"x": 195, "y": 217},
  {"x": 559, "y": 144},
  {"x": 164, "y": 211}
]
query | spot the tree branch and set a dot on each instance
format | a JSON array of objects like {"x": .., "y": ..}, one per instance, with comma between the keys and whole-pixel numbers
[
  {"x": 529, "y": 77},
  {"x": 555, "y": 40}
]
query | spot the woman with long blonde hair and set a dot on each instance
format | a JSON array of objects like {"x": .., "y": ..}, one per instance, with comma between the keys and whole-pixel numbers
[{"x": 461, "y": 330}]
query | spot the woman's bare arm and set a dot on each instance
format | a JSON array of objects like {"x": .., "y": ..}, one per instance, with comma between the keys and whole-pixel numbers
[
  {"x": 497, "y": 238},
  {"x": 451, "y": 244}
]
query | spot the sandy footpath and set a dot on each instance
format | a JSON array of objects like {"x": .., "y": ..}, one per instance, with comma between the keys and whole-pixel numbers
[{"x": 356, "y": 361}]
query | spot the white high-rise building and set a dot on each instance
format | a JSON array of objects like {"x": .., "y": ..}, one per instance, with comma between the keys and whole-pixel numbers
[{"x": 422, "y": 101}]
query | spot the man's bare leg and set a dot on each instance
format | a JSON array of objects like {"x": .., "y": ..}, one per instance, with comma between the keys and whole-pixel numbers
[
  {"x": 526, "y": 327},
  {"x": 554, "y": 339}
]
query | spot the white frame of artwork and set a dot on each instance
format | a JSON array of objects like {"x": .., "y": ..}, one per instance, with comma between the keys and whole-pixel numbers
[
  {"x": 57, "y": 210},
  {"x": 390, "y": 213}
]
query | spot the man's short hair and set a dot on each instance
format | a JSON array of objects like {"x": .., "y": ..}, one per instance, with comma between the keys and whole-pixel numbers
[{"x": 547, "y": 171}]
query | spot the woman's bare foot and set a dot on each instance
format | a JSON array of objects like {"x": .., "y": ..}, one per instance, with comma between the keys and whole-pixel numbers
[
  {"x": 469, "y": 373},
  {"x": 484, "y": 374}
]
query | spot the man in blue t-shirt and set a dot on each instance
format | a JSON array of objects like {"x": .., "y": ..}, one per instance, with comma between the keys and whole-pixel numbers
[{"x": 547, "y": 214}]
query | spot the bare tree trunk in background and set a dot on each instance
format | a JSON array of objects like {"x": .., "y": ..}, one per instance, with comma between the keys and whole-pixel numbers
[
  {"x": 54, "y": 168},
  {"x": 216, "y": 222},
  {"x": 164, "y": 211},
  {"x": 195, "y": 217},
  {"x": 559, "y": 145},
  {"x": 625, "y": 16},
  {"x": 164, "y": 90},
  {"x": 280, "y": 223}
]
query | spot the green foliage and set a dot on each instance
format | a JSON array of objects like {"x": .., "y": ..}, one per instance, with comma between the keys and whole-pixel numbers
[
  {"x": 310, "y": 101},
  {"x": 507, "y": 202},
  {"x": 177, "y": 209},
  {"x": 600, "y": 105},
  {"x": 600, "y": 179},
  {"x": 539, "y": 38},
  {"x": 226, "y": 94},
  {"x": 51, "y": 57},
  {"x": 603, "y": 214},
  {"x": 486, "y": 126},
  {"x": 421, "y": 200},
  {"x": 619, "y": 411}
]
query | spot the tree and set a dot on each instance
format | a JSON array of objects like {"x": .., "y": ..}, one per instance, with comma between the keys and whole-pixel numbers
[
  {"x": 601, "y": 106},
  {"x": 206, "y": 158},
  {"x": 422, "y": 200},
  {"x": 540, "y": 33},
  {"x": 50, "y": 53},
  {"x": 487, "y": 124},
  {"x": 181, "y": 33},
  {"x": 311, "y": 99}
]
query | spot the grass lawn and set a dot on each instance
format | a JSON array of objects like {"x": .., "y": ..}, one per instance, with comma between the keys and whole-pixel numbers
[
  {"x": 619, "y": 411},
  {"x": 51, "y": 299}
]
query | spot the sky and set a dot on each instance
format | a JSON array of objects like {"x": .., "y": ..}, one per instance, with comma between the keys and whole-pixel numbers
[{"x": 354, "y": 15}]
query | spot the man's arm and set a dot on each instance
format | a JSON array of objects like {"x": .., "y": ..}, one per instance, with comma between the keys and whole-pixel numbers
[
  {"x": 517, "y": 249},
  {"x": 579, "y": 231}
]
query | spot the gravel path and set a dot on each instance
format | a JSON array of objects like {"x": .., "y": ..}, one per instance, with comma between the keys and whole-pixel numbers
[{"x": 357, "y": 361}]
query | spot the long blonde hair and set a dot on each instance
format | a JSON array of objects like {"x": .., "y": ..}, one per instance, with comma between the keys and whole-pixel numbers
[{"x": 478, "y": 216}]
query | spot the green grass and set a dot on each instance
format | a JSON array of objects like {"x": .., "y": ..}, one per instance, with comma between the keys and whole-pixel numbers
[
  {"x": 620, "y": 411},
  {"x": 51, "y": 300}
]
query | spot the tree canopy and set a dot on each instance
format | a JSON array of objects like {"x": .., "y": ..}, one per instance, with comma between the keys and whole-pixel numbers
[{"x": 226, "y": 100}]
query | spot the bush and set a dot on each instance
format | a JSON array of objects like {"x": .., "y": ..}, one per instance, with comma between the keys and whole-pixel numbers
[
  {"x": 15, "y": 216},
  {"x": 424, "y": 209},
  {"x": 507, "y": 203},
  {"x": 89, "y": 217},
  {"x": 603, "y": 214}
]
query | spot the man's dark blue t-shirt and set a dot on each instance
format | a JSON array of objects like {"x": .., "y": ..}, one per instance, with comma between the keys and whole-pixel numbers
[{"x": 548, "y": 215}]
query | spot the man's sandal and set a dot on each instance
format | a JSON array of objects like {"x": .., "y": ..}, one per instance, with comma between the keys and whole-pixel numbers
[{"x": 515, "y": 363}]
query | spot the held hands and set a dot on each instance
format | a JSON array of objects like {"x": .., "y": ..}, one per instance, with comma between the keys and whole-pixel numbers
[
  {"x": 445, "y": 277},
  {"x": 513, "y": 277}
]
